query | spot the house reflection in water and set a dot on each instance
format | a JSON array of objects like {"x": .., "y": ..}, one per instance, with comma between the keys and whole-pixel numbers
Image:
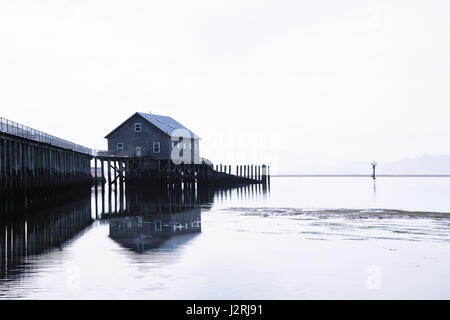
[
  {"x": 145, "y": 232},
  {"x": 155, "y": 216}
]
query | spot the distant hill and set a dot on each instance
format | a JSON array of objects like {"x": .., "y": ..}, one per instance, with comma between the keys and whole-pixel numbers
[{"x": 426, "y": 164}]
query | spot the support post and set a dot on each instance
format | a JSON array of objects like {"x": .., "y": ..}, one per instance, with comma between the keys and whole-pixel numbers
[
  {"x": 95, "y": 171},
  {"x": 109, "y": 173}
]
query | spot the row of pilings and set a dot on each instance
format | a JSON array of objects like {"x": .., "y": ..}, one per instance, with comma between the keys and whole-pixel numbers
[
  {"x": 252, "y": 172},
  {"x": 28, "y": 165},
  {"x": 145, "y": 170}
]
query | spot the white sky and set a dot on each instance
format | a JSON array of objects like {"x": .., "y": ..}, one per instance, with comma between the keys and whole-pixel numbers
[{"x": 296, "y": 84}]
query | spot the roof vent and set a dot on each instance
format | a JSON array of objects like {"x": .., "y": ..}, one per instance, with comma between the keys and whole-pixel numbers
[
  {"x": 171, "y": 125},
  {"x": 159, "y": 120}
]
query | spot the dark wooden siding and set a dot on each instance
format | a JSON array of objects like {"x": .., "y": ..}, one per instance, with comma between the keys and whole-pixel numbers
[
  {"x": 149, "y": 133},
  {"x": 126, "y": 134}
]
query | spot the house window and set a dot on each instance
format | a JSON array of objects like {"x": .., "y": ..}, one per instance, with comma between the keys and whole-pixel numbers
[
  {"x": 156, "y": 147},
  {"x": 137, "y": 127},
  {"x": 120, "y": 146}
]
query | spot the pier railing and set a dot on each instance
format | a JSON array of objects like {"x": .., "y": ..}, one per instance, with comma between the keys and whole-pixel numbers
[{"x": 16, "y": 129}]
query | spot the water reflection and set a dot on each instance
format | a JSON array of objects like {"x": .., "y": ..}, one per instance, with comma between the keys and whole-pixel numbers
[
  {"x": 243, "y": 193},
  {"x": 374, "y": 189},
  {"x": 142, "y": 233},
  {"x": 153, "y": 216},
  {"x": 139, "y": 220},
  {"x": 31, "y": 226},
  {"x": 162, "y": 244}
]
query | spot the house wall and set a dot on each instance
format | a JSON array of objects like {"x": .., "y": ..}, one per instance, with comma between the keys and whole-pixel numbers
[
  {"x": 149, "y": 133},
  {"x": 144, "y": 139}
]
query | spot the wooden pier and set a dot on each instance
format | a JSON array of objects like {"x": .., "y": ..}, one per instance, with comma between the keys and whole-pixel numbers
[{"x": 33, "y": 160}]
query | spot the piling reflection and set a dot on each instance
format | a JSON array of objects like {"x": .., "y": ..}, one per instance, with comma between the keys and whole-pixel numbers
[
  {"x": 243, "y": 193},
  {"x": 32, "y": 226},
  {"x": 374, "y": 189}
]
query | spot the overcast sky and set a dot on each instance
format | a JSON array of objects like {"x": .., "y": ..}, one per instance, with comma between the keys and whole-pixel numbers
[{"x": 297, "y": 84}]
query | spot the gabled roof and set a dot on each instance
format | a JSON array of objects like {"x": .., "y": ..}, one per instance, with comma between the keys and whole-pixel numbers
[{"x": 166, "y": 124}]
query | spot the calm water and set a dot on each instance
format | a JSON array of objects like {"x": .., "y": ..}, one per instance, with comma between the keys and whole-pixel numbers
[{"x": 301, "y": 238}]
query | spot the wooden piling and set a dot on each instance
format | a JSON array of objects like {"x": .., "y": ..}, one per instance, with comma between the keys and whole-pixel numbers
[
  {"x": 264, "y": 173},
  {"x": 95, "y": 169},
  {"x": 109, "y": 173}
]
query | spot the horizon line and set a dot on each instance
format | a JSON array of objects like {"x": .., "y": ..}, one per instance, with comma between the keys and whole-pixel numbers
[{"x": 360, "y": 175}]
